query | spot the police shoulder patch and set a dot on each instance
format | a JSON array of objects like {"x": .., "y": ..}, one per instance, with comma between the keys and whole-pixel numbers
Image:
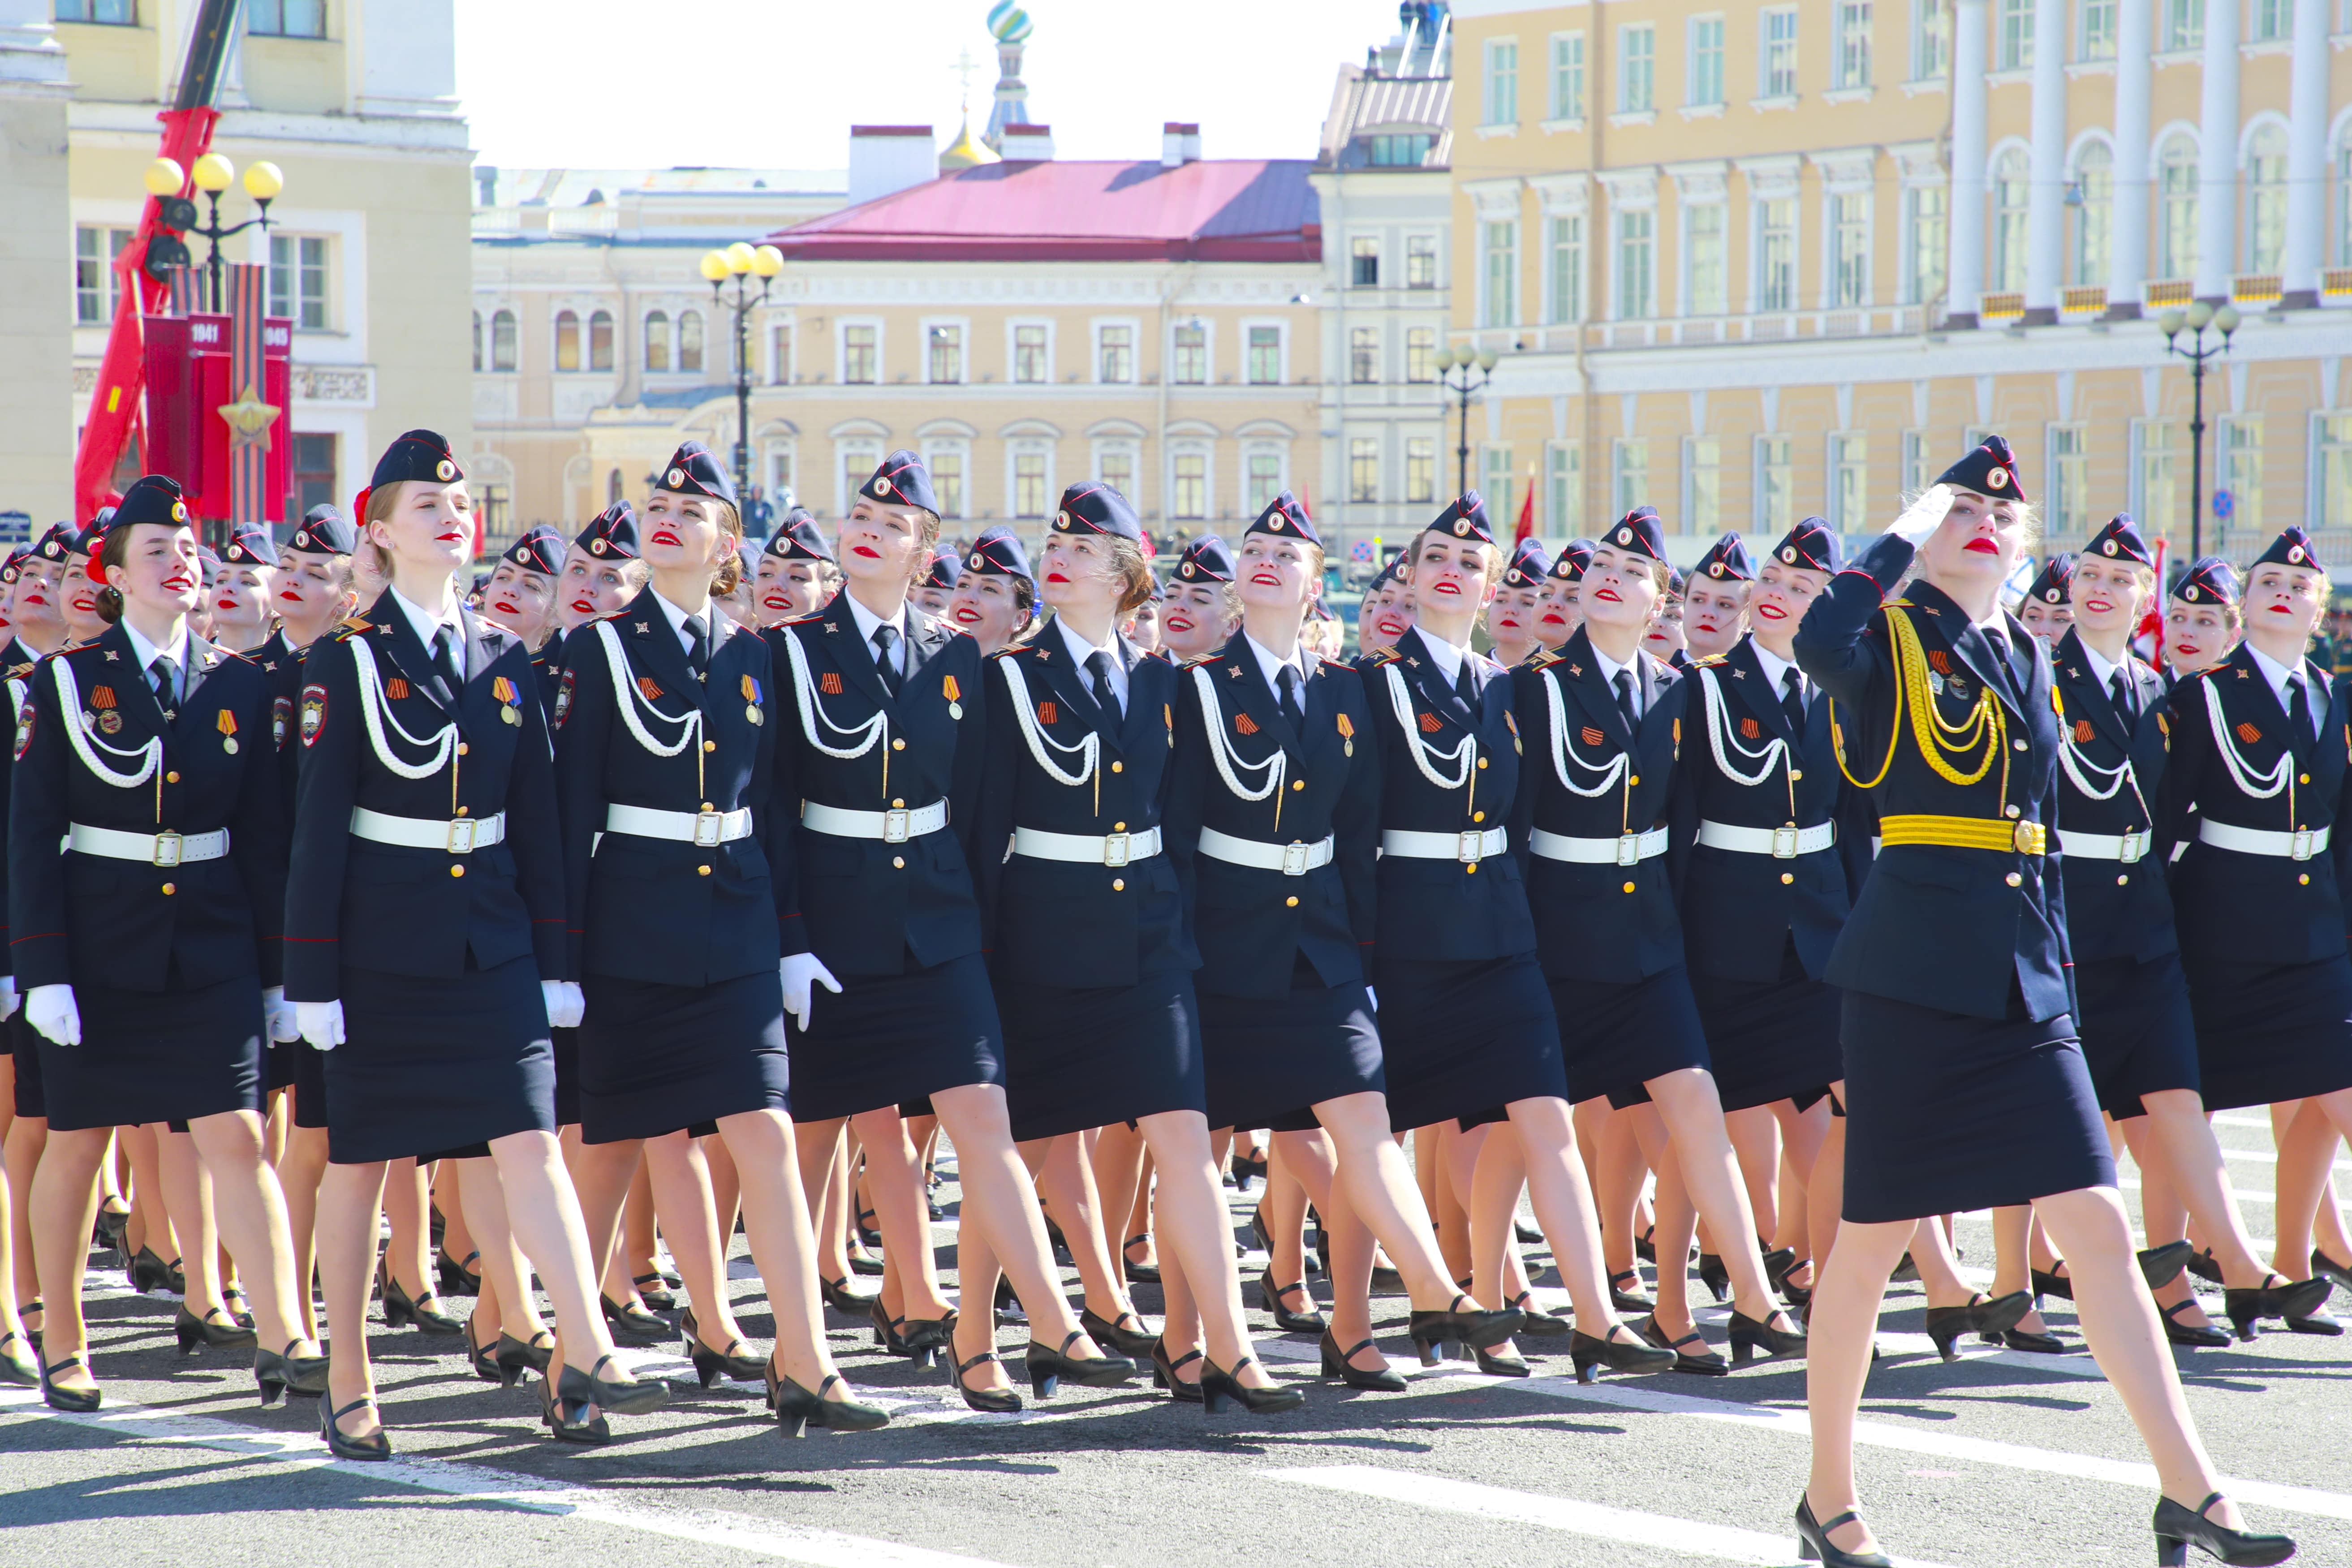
[
  {"x": 24, "y": 730},
  {"x": 314, "y": 712},
  {"x": 563, "y": 697}
]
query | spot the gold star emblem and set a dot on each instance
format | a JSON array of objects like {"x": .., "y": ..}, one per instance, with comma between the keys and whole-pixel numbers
[
  {"x": 249, "y": 420},
  {"x": 110, "y": 655},
  {"x": 643, "y": 628}
]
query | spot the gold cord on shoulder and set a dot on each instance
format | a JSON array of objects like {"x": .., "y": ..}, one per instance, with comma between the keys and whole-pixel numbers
[{"x": 1937, "y": 738}]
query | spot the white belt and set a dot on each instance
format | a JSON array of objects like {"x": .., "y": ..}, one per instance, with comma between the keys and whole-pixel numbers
[
  {"x": 2300, "y": 845},
  {"x": 1295, "y": 859},
  {"x": 1780, "y": 843},
  {"x": 165, "y": 849},
  {"x": 1086, "y": 849},
  {"x": 702, "y": 827},
  {"x": 895, "y": 825},
  {"x": 1625, "y": 850},
  {"x": 2127, "y": 848},
  {"x": 1469, "y": 846},
  {"x": 461, "y": 836}
]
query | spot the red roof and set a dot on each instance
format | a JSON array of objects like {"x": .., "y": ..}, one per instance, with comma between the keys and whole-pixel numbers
[{"x": 1229, "y": 209}]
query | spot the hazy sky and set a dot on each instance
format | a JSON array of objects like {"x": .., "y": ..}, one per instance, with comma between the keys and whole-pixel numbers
[{"x": 655, "y": 83}]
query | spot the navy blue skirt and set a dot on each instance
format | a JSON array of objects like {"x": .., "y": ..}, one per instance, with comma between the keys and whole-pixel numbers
[
  {"x": 655, "y": 1059},
  {"x": 1270, "y": 1063},
  {"x": 2138, "y": 1033},
  {"x": 309, "y": 1085},
  {"x": 1081, "y": 1059},
  {"x": 1771, "y": 1039},
  {"x": 24, "y": 1046},
  {"x": 438, "y": 1065},
  {"x": 565, "y": 1043},
  {"x": 1616, "y": 1039},
  {"x": 278, "y": 1062},
  {"x": 156, "y": 1056},
  {"x": 887, "y": 1038},
  {"x": 1460, "y": 1037},
  {"x": 1946, "y": 1113},
  {"x": 2270, "y": 1033}
]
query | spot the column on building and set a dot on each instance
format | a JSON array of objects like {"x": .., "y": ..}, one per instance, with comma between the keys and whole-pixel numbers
[
  {"x": 2306, "y": 158},
  {"x": 2128, "y": 233},
  {"x": 2217, "y": 160},
  {"x": 1964, "y": 278},
  {"x": 2046, "y": 189}
]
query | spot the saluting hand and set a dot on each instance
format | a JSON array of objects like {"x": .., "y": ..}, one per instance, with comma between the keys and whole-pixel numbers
[
  {"x": 51, "y": 1010},
  {"x": 283, "y": 1026},
  {"x": 1923, "y": 516},
  {"x": 565, "y": 1003},
  {"x": 801, "y": 973},
  {"x": 321, "y": 1023}
]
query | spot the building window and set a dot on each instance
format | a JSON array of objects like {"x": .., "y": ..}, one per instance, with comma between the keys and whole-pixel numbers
[
  {"x": 2266, "y": 199},
  {"x": 94, "y": 253},
  {"x": 600, "y": 340},
  {"x": 2272, "y": 21},
  {"x": 567, "y": 341},
  {"x": 1776, "y": 485},
  {"x": 2013, "y": 36},
  {"x": 780, "y": 353},
  {"x": 1925, "y": 279},
  {"x": 286, "y": 19},
  {"x": 1705, "y": 89},
  {"x": 1421, "y": 261},
  {"x": 1914, "y": 462},
  {"x": 1029, "y": 483},
  {"x": 1364, "y": 261},
  {"x": 1850, "y": 248},
  {"x": 690, "y": 345},
  {"x": 1402, "y": 150},
  {"x": 2094, "y": 198},
  {"x": 1502, "y": 82},
  {"x": 1567, "y": 268},
  {"x": 858, "y": 458},
  {"x": 1568, "y": 75},
  {"x": 502, "y": 341},
  {"x": 298, "y": 279},
  {"x": 1421, "y": 469},
  {"x": 1851, "y": 59},
  {"x": 1702, "y": 484},
  {"x": 2155, "y": 481},
  {"x": 1776, "y": 255},
  {"x": 1494, "y": 486},
  {"x": 2010, "y": 198},
  {"x": 1636, "y": 240},
  {"x": 780, "y": 473},
  {"x": 1708, "y": 291},
  {"x": 1500, "y": 242},
  {"x": 2238, "y": 470},
  {"x": 2176, "y": 185},
  {"x": 2098, "y": 30},
  {"x": 2184, "y": 25},
  {"x": 1188, "y": 486},
  {"x": 2069, "y": 505},
  {"x": 1114, "y": 354},
  {"x": 1849, "y": 483},
  {"x": 1628, "y": 474},
  {"x": 1265, "y": 356},
  {"x": 946, "y": 358},
  {"x": 1777, "y": 73},
  {"x": 1115, "y": 465},
  {"x": 1421, "y": 354},
  {"x": 1363, "y": 468},
  {"x": 1029, "y": 355},
  {"x": 1363, "y": 356},
  {"x": 1931, "y": 38},
  {"x": 2331, "y": 460},
  {"x": 658, "y": 344},
  {"x": 1192, "y": 355},
  {"x": 314, "y": 470},
  {"x": 1265, "y": 480},
  {"x": 860, "y": 354},
  {"x": 112, "y": 13},
  {"x": 1565, "y": 480},
  {"x": 1637, "y": 52},
  {"x": 478, "y": 340},
  {"x": 946, "y": 464}
]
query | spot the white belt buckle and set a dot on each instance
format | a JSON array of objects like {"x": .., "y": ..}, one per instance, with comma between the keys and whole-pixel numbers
[
  {"x": 1115, "y": 848},
  {"x": 1294, "y": 860},
  {"x": 2299, "y": 843},
  {"x": 1784, "y": 843},
  {"x": 1629, "y": 849},
  {"x": 166, "y": 853},
  {"x": 707, "y": 825},
  {"x": 895, "y": 825},
  {"x": 461, "y": 836},
  {"x": 2135, "y": 844},
  {"x": 1470, "y": 846}
]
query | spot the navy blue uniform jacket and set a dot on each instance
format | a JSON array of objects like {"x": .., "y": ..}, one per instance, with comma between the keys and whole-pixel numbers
[{"x": 2114, "y": 910}]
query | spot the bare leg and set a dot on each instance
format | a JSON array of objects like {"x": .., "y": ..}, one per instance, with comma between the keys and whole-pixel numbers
[
  {"x": 1825, "y": 1193},
  {"x": 1284, "y": 1209},
  {"x": 681, "y": 1196},
  {"x": 187, "y": 1197},
  {"x": 1195, "y": 1226},
  {"x": 27, "y": 1137},
  {"x": 895, "y": 1180},
  {"x": 1123, "y": 1188},
  {"x": 2305, "y": 1154},
  {"x": 1068, "y": 1183},
  {"x": 298, "y": 1171},
  {"x": 1563, "y": 1204},
  {"x": 783, "y": 1246},
  {"x": 148, "y": 1210},
  {"x": 349, "y": 1200},
  {"x": 506, "y": 1304},
  {"x": 252, "y": 1216},
  {"x": 999, "y": 1205},
  {"x": 637, "y": 1219},
  {"x": 545, "y": 1216},
  {"x": 1623, "y": 1170},
  {"x": 1843, "y": 1325},
  {"x": 725, "y": 1191},
  {"x": 1446, "y": 1190},
  {"x": 64, "y": 1206},
  {"x": 408, "y": 1251},
  {"x": 2013, "y": 1262},
  {"x": 1754, "y": 1135},
  {"x": 1693, "y": 1113},
  {"x": 457, "y": 1241}
]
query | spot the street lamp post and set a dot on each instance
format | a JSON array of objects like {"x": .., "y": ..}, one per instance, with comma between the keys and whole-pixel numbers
[
  {"x": 212, "y": 174},
  {"x": 1456, "y": 379},
  {"x": 741, "y": 262},
  {"x": 2197, "y": 317}
]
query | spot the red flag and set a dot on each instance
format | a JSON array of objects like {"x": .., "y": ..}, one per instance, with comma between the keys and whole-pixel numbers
[
  {"x": 1527, "y": 528},
  {"x": 2149, "y": 634}
]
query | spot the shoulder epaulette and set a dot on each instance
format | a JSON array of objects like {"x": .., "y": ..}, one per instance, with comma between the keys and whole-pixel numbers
[
  {"x": 1382, "y": 655},
  {"x": 76, "y": 646},
  {"x": 1197, "y": 663},
  {"x": 1330, "y": 663},
  {"x": 1712, "y": 660},
  {"x": 1660, "y": 663},
  {"x": 17, "y": 672},
  {"x": 803, "y": 620}
]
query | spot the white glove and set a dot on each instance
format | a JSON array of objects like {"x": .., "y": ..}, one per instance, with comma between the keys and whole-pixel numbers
[
  {"x": 798, "y": 972},
  {"x": 1923, "y": 516},
  {"x": 1372, "y": 997},
  {"x": 8, "y": 997},
  {"x": 279, "y": 1014},
  {"x": 51, "y": 1010},
  {"x": 565, "y": 1003},
  {"x": 321, "y": 1023}
]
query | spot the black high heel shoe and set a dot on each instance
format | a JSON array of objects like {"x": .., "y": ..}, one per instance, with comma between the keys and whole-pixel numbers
[
  {"x": 376, "y": 1445},
  {"x": 1748, "y": 1336},
  {"x": 797, "y": 1410},
  {"x": 2206, "y": 1266},
  {"x": 2177, "y": 1530},
  {"x": 1645, "y": 1245},
  {"x": 276, "y": 1372},
  {"x": 622, "y": 1395},
  {"x": 992, "y": 1401},
  {"x": 191, "y": 1331},
  {"x": 233, "y": 1302},
  {"x": 1308, "y": 1322},
  {"x": 630, "y": 1318},
  {"x": 1130, "y": 1342},
  {"x": 2032, "y": 1343},
  {"x": 1537, "y": 1322},
  {"x": 111, "y": 1224},
  {"x": 1977, "y": 1315},
  {"x": 1706, "y": 1363},
  {"x": 1436, "y": 1336},
  {"x": 2196, "y": 1338},
  {"x": 1163, "y": 1373},
  {"x": 1220, "y": 1387},
  {"x": 1248, "y": 1171},
  {"x": 1137, "y": 1273},
  {"x": 401, "y": 1310},
  {"x": 2160, "y": 1266},
  {"x": 515, "y": 1357},
  {"x": 456, "y": 1278},
  {"x": 866, "y": 1265},
  {"x": 1047, "y": 1368},
  {"x": 711, "y": 1365},
  {"x": 922, "y": 1340},
  {"x": 1629, "y": 1300},
  {"x": 148, "y": 1272},
  {"x": 842, "y": 1298},
  {"x": 1340, "y": 1364},
  {"x": 1503, "y": 1363},
  {"x": 654, "y": 1290},
  {"x": 1630, "y": 1356},
  {"x": 2050, "y": 1282},
  {"x": 72, "y": 1401},
  {"x": 567, "y": 1419},
  {"x": 16, "y": 1367},
  {"x": 1813, "y": 1541},
  {"x": 2301, "y": 1298},
  {"x": 2326, "y": 1267},
  {"x": 34, "y": 1309},
  {"x": 483, "y": 1358},
  {"x": 2314, "y": 1323},
  {"x": 1714, "y": 1276}
]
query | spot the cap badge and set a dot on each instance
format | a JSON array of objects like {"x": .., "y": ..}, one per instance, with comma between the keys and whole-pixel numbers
[
  {"x": 1061, "y": 520},
  {"x": 1462, "y": 527},
  {"x": 2051, "y": 594},
  {"x": 677, "y": 478},
  {"x": 596, "y": 547},
  {"x": 2295, "y": 553},
  {"x": 1624, "y": 536},
  {"x": 881, "y": 486},
  {"x": 1715, "y": 568},
  {"x": 447, "y": 470},
  {"x": 2189, "y": 593},
  {"x": 1998, "y": 478},
  {"x": 978, "y": 561},
  {"x": 2110, "y": 547},
  {"x": 1274, "y": 523},
  {"x": 1788, "y": 552}
]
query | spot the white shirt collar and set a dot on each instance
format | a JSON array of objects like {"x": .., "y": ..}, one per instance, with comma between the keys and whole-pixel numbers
[
  {"x": 1271, "y": 666},
  {"x": 867, "y": 620},
  {"x": 426, "y": 622},
  {"x": 2277, "y": 674},
  {"x": 1776, "y": 668},
  {"x": 1442, "y": 654},
  {"x": 711, "y": 615},
  {"x": 1611, "y": 669},
  {"x": 1082, "y": 650},
  {"x": 145, "y": 652},
  {"x": 2101, "y": 671}
]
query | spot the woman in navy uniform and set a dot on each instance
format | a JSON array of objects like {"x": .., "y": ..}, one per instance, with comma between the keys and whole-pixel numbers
[
  {"x": 520, "y": 598},
  {"x": 1385, "y": 614},
  {"x": 146, "y": 873},
  {"x": 1561, "y": 611},
  {"x": 884, "y": 730},
  {"x": 601, "y": 571},
  {"x": 1466, "y": 1021},
  {"x": 2201, "y": 621},
  {"x": 1194, "y": 617},
  {"x": 1607, "y": 725},
  {"x": 995, "y": 602},
  {"x": 1511, "y": 618},
  {"x": 2253, "y": 794},
  {"x": 2048, "y": 608},
  {"x": 1088, "y": 932},
  {"x": 930, "y": 595},
  {"x": 1967, "y": 1088},
  {"x": 242, "y": 620},
  {"x": 425, "y": 929},
  {"x": 788, "y": 582}
]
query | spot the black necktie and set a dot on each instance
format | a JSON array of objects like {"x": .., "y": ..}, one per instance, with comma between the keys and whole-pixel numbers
[
  {"x": 2119, "y": 692},
  {"x": 2298, "y": 710},
  {"x": 1463, "y": 686},
  {"x": 885, "y": 656},
  {"x": 1106, "y": 698},
  {"x": 1792, "y": 699},
  {"x": 697, "y": 650},
  {"x": 445, "y": 661},
  {"x": 1291, "y": 707},
  {"x": 1624, "y": 684},
  {"x": 167, "y": 694}
]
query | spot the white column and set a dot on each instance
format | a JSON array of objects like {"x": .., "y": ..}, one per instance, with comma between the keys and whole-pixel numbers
[
  {"x": 1964, "y": 274},
  {"x": 2127, "y": 233},
  {"x": 2045, "y": 211},
  {"x": 2217, "y": 164},
  {"x": 2307, "y": 158}
]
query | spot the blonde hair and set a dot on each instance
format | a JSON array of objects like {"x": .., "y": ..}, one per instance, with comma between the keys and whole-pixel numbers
[
  {"x": 729, "y": 573},
  {"x": 1489, "y": 553},
  {"x": 1129, "y": 564}
]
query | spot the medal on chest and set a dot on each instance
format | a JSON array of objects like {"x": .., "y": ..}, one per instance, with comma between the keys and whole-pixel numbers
[
  {"x": 510, "y": 702},
  {"x": 226, "y": 722},
  {"x": 955, "y": 697},
  {"x": 752, "y": 701}
]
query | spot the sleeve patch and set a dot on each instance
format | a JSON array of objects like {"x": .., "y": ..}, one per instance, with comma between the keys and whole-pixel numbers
[
  {"x": 25, "y": 730},
  {"x": 314, "y": 713},
  {"x": 563, "y": 697},
  {"x": 281, "y": 721}
]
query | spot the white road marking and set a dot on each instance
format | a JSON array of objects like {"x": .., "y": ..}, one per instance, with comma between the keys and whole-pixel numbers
[{"x": 1682, "y": 1537}]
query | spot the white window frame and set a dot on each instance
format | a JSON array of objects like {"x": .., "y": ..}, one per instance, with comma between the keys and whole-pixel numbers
[
  {"x": 1764, "y": 82},
  {"x": 1687, "y": 517},
  {"x": 1498, "y": 86},
  {"x": 1559, "y": 109},
  {"x": 1105, "y": 446},
  {"x": 841, "y": 325},
  {"x": 1563, "y": 488},
  {"x": 1832, "y": 197},
  {"x": 1845, "y": 27},
  {"x": 868, "y": 452},
  {"x": 1012, "y": 352},
  {"x": 1134, "y": 349},
  {"x": 1617, "y": 274},
  {"x": 1692, "y": 53},
  {"x": 2136, "y": 490},
  {"x": 1281, "y": 349},
  {"x": 1208, "y": 351},
  {"x": 1766, "y": 525},
  {"x": 1190, "y": 447},
  {"x": 1487, "y": 316},
  {"x": 2317, "y": 448},
  {"x": 1833, "y": 451},
  {"x": 1620, "y": 501},
  {"x": 1687, "y": 251},
  {"x": 1931, "y": 41},
  {"x": 1259, "y": 447},
  {"x": 1015, "y": 448},
  {"x": 1649, "y": 104},
  {"x": 963, "y": 323},
  {"x": 1581, "y": 218},
  {"x": 936, "y": 447}
]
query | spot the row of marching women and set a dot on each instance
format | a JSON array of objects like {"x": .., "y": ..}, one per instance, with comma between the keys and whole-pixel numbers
[{"x": 1793, "y": 864}]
